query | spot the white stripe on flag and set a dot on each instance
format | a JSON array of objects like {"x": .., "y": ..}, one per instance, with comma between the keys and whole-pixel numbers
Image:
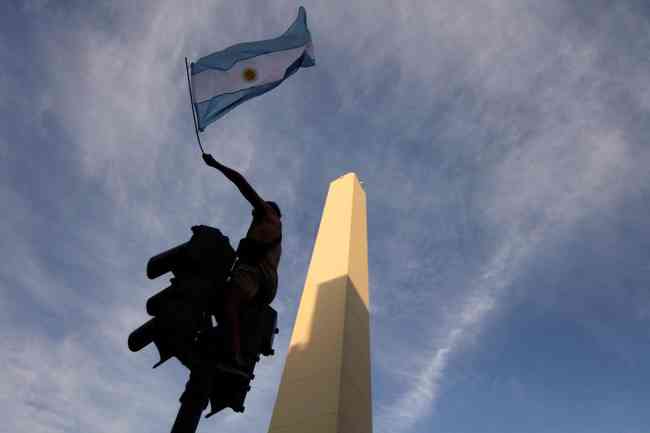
[
  {"x": 310, "y": 49},
  {"x": 268, "y": 68}
]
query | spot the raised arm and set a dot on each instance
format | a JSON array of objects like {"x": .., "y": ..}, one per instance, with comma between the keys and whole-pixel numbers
[{"x": 240, "y": 182}]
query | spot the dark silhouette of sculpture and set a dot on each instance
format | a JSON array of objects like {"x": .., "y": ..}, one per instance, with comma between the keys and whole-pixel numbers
[{"x": 182, "y": 326}]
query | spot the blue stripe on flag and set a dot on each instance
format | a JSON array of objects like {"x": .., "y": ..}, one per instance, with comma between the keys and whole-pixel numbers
[
  {"x": 212, "y": 109},
  {"x": 296, "y": 36}
]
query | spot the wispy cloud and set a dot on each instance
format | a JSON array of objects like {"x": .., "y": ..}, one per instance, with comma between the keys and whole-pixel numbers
[{"x": 557, "y": 166}]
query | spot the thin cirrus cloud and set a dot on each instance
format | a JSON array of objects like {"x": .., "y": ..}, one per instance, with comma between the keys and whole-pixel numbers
[{"x": 569, "y": 165}]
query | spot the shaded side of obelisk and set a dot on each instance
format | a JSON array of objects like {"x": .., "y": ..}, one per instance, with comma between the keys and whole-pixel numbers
[{"x": 325, "y": 385}]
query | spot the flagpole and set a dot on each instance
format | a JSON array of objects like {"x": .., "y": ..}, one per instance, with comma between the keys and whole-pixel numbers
[{"x": 189, "y": 86}]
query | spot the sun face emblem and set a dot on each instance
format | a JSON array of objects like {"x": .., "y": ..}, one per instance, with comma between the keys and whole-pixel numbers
[{"x": 249, "y": 74}]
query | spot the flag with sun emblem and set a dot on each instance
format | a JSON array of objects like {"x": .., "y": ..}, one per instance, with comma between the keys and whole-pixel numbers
[{"x": 225, "y": 79}]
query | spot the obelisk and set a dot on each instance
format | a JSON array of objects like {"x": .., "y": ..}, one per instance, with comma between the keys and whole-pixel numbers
[{"x": 325, "y": 385}]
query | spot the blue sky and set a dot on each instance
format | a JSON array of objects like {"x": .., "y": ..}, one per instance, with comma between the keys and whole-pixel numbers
[{"x": 504, "y": 149}]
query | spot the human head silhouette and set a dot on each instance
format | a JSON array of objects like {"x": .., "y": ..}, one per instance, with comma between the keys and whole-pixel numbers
[{"x": 273, "y": 206}]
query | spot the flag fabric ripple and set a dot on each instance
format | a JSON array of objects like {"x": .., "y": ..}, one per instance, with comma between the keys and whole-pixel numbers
[{"x": 225, "y": 79}]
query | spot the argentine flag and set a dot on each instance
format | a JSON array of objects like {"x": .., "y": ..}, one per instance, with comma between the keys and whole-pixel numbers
[{"x": 225, "y": 79}]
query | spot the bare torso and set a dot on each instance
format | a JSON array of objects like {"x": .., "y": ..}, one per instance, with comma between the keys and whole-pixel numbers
[{"x": 267, "y": 229}]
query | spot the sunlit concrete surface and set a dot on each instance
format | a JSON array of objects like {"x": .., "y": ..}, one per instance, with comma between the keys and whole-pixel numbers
[{"x": 325, "y": 385}]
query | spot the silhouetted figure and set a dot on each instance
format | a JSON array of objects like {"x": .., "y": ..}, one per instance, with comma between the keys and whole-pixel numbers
[
  {"x": 211, "y": 279},
  {"x": 254, "y": 278}
]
